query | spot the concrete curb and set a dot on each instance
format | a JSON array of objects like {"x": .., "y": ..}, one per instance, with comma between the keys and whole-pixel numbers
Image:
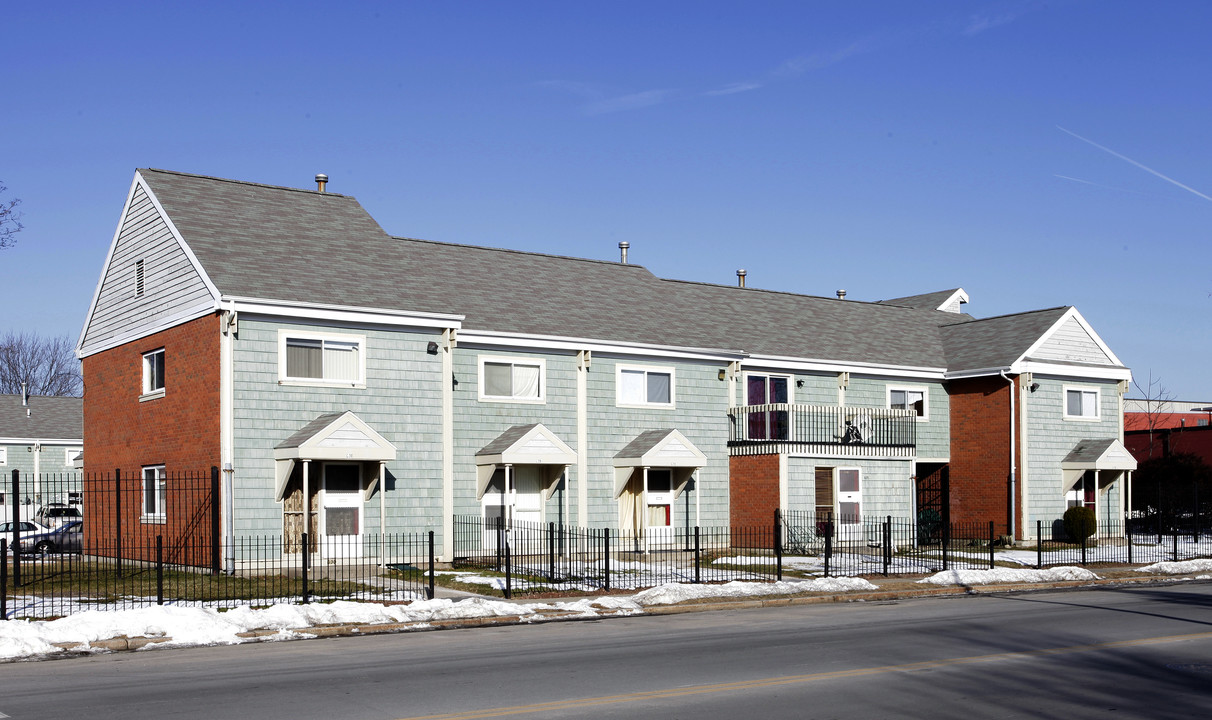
[{"x": 125, "y": 644}]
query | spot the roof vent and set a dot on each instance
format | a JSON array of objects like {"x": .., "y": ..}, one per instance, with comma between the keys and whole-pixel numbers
[
  {"x": 623, "y": 251},
  {"x": 321, "y": 181},
  {"x": 841, "y": 294},
  {"x": 740, "y": 278}
]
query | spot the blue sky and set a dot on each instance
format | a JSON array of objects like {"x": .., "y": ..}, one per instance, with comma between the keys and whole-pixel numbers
[{"x": 1036, "y": 154}]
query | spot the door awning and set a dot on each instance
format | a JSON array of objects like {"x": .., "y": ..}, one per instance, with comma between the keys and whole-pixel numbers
[
  {"x": 525, "y": 445},
  {"x": 658, "y": 449},
  {"x": 333, "y": 436},
  {"x": 1106, "y": 454}
]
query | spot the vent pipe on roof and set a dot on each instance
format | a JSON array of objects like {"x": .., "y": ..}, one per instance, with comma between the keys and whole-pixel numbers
[
  {"x": 841, "y": 294},
  {"x": 24, "y": 395},
  {"x": 321, "y": 181},
  {"x": 740, "y": 278},
  {"x": 623, "y": 251}
]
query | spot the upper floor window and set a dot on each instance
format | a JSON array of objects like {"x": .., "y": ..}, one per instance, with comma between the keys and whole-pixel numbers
[
  {"x": 70, "y": 455},
  {"x": 321, "y": 358},
  {"x": 3, "y": 456},
  {"x": 642, "y": 386},
  {"x": 908, "y": 398},
  {"x": 768, "y": 390},
  {"x": 513, "y": 379},
  {"x": 153, "y": 373},
  {"x": 1081, "y": 404}
]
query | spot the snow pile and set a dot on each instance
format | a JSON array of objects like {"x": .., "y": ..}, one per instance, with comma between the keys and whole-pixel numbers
[
  {"x": 672, "y": 593},
  {"x": 1008, "y": 575},
  {"x": 1179, "y": 568}
]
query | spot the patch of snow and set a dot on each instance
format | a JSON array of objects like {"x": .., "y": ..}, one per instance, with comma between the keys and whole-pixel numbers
[
  {"x": 1178, "y": 568},
  {"x": 673, "y": 593},
  {"x": 1008, "y": 575}
]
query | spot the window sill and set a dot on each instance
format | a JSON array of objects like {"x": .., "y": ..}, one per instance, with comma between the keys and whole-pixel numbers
[
  {"x": 152, "y": 519},
  {"x": 647, "y": 406},
  {"x": 153, "y": 395},
  {"x": 293, "y": 382},
  {"x": 520, "y": 401},
  {"x": 1082, "y": 418}
]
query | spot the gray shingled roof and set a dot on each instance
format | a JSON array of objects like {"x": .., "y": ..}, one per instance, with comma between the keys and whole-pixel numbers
[
  {"x": 997, "y": 341},
  {"x": 308, "y": 431},
  {"x": 285, "y": 244},
  {"x": 506, "y": 440},
  {"x": 925, "y": 301},
  {"x": 642, "y": 443},
  {"x": 49, "y": 418},
  {"x": 1089, "y": 451}
]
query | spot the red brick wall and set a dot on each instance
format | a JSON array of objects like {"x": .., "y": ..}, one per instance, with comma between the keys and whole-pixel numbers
[
  {"x": 179, "y": 430},
  {"x": 980, "y": 451},
  {"x": 753, "y": 490}
]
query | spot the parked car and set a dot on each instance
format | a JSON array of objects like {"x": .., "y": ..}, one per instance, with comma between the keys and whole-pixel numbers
[
  {"x": 26, "y": 527},
  {"x": 54, "y": 515},
  {"x": 68, "y": 538}
]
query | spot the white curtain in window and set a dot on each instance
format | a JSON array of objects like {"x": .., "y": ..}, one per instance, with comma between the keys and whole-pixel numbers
[
  {"x": 632, "y": 389},
  {"x": 1089, "y": 401},
  {"x": 525, "y": 381},
  {"x": 341, "y": 361}
]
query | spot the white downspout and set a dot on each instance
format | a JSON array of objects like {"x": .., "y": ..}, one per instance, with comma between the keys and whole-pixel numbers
[
  {"x": 1013, "y": 466},
  {"x": 382, "y": 513}
]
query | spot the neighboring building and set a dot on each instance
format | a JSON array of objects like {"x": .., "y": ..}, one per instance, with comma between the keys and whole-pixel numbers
[
  {"x": 38, "y": 436},
  {"x": 1148, "y": 444},
  {"x": 353, "y": 382},
  {"x": 1142, "y": 414}
]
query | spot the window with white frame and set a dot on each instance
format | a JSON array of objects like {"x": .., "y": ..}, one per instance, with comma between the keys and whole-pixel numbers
[
  {"x": 642, "y": 386},
  {"x": 1081, "y": 404},
  {"x": 154, "y": 494},
  {"x": 70, "y": 455},
  {"x": 153, "y": 373},
  {"x": 321, "y": 358},
  {"x": 507, "y": 379},
  {"x": 3, "y": 456},
  {"x": 909, "y": 398}
]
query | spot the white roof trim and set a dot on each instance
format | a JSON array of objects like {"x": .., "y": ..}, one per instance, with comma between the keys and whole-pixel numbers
[
  {"x": 1077, "y": 371},
  {"x": 1071, "y": 313},
  {"x": 553, "y": 342},
  {"x": 1114, "y": 457},
  {"x": 960, "y": 293},
  {"x": 41, "y": 441},
  {"x": 517, "y": 454},
  {"x": 789, "y": 363},
  {"x": 161, "y": 324},
  {"x": 319, "y": 447},
  {"x": 341, "y": 313}
]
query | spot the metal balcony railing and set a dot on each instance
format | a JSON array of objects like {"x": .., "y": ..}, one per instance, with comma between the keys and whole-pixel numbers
[{"x": 844, "y": 430}]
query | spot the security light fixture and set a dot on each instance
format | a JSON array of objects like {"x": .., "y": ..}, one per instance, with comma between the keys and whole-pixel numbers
[{"x": 432, "y": 348}]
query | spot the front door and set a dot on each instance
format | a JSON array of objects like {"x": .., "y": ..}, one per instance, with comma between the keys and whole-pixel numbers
[
  {"x": 660, "y": 506},
  {"x": 849, "y": 504},
  {"x": 342, "y": 511}
]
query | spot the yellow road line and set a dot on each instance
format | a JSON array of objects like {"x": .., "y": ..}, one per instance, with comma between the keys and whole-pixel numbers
[{"x": 795, "y": 679}]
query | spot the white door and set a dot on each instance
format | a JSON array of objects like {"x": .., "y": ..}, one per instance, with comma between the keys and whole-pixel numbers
[
  {"x": 659, "y": 515},
  {"x": 849, "y": 504},
  {"x": 527, "y": 496},
  {"x": 341, "y": 508}
]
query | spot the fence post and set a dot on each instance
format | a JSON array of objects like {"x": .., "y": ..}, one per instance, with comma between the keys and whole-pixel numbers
[
  {"x": 828, "y": 541},
  {"x": 159, "y": 569},
  {"x": 1176, "y": 544},
  {"x": 3, "y": 579},
  {"x": 306, "y": 562},
  {"x": 1128, "y": 534},
  {"x": 118, "y": 519},
  {"x": 606, "y": 546},
  {"x": 697, "y": 557},
  {"x": 508, "y": 573},
  {"x": 500, "y": 539},
  {"x": 887, "y": 544},
  {"x": 946, "y": 539},
  {"x": 778, "y": 546},
  {"x": 551, "y": 546},
  {"x": 1039, "y": 545},
  {"x": 1083, "y": 551},
  {"x": 214, "y": 520},
  {"x": 16, "y": 544},
  {"x": 431, "y": 568},
  {"x": 991, "y": 539}
]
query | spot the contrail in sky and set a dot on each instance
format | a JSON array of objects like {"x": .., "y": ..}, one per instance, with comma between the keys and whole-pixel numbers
[{"x": 1147, "y": 169}]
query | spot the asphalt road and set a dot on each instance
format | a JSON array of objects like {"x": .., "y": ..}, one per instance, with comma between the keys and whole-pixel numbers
[{"x": 1144, "y": 652}]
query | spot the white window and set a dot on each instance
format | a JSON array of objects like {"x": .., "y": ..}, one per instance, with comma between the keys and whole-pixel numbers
[
  {"x": 642, "y": 386},
  {"x": 154, "y": 494},
  {"x": 761, "y": 389},
  {"x": 70, "y": 455},
  {"x": 1081, "y": 404},
  {"x": 909, "y": 397},
  {"x": 506, "y": 379},
  {"x": 153, "y": 373},
  {"x": 3, "y": 456},
  {"x": 321, "y": 359}
]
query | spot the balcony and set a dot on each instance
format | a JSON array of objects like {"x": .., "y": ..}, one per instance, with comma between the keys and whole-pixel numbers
[{"x": 823, "y": 429}]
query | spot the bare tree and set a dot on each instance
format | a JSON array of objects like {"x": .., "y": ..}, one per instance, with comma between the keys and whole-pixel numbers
[
  {"x": 9, "y": 217},
  {"x": 1158, "y": 402},
  {"x": 47, "y": 366}
]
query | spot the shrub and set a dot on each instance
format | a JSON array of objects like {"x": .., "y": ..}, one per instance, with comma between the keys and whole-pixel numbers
[{"x": 1080, "y": 523}]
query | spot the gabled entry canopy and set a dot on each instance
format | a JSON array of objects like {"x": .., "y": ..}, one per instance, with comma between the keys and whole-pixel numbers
[
  {"x": 1106, "y": 454},
  {"x": 658, "y": 449},
  {"x": 334, "y": 436},
  {"x": 525, "y": 445}
]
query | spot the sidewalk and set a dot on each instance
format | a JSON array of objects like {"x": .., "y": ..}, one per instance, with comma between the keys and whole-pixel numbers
[{"x": 477, "y": 611}]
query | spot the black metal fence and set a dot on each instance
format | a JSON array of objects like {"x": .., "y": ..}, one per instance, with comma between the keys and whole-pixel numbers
[{"x": 1130, "y": 541}]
